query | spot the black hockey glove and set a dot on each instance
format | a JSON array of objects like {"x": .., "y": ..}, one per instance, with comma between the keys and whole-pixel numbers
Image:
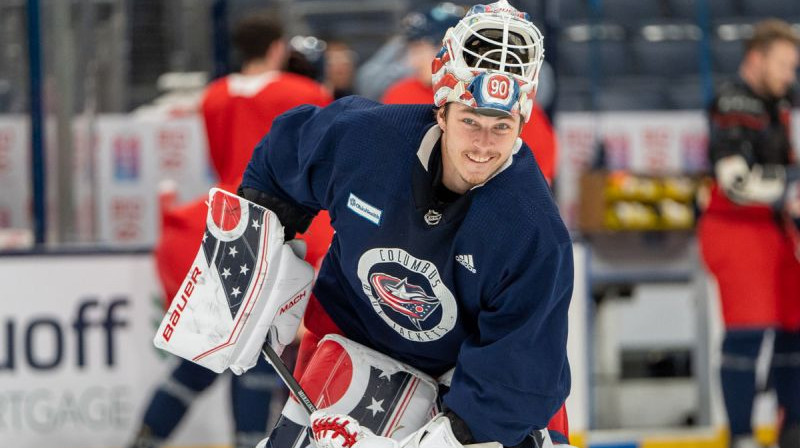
[{"x": 293, "y": 218}]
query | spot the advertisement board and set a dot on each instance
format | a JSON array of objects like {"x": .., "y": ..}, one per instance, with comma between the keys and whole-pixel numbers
[{"x": 77, "y": 363}]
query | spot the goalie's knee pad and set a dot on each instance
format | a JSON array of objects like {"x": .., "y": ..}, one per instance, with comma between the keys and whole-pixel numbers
[{"x": 384, "y": 395}]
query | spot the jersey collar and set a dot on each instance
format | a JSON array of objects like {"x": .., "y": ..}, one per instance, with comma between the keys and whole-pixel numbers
[{"x": 249, "y": 85}]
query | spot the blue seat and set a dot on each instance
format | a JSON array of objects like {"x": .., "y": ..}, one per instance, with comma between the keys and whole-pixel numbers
[
  {"x": 687, "y": 9},
  {"x": 573, "y": 94},
  {"x": 336, "y": 24},
  {"x": 686, "y": 94},
  {"x": 667, "y": 58},
  {"x": 573, "y": 10},
  {"x": 631, "y": 12},
  {"x": 572, "y": 102},
  {"x": 578, "y": 58},
  {"x": 631, "y": 98},
  {"x": 771, "y": 8},
  {"x": 726, "y": 55}
]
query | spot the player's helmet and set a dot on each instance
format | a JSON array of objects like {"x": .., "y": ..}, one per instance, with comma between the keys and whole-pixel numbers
[
  {"x": 431, "y": 24},
  {"x": 490, "y": 61}
]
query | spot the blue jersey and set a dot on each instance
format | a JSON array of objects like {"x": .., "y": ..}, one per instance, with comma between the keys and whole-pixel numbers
[{"x": 481, "y": 283}]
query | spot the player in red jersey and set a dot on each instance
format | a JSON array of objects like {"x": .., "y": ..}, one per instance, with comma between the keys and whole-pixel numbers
[
  {"x": 741, "y": 235},
  {"x": 238, "y": 111}
]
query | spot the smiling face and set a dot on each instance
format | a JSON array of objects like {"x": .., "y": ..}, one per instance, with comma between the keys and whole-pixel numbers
[{"x": 474, "y": 146}]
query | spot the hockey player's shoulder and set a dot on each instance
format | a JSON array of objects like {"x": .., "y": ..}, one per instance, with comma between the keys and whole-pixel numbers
[
  {"x": 216, "y": 91},
  {"x": 297, "y": 85},
  {"x": 382, "y": 121},
  {"x": 736, "y": 97},
  {"x": 524, "y": 207},
  {"x": 390, "y": 113}
]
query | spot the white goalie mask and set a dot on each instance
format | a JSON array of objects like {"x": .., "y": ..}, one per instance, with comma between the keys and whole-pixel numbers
[{"x": 490, "y": 61}]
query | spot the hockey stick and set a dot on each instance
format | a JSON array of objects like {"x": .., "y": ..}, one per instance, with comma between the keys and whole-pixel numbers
[
  {"x": 287, "y": 378},
  {"x": 297, "y": 390}
]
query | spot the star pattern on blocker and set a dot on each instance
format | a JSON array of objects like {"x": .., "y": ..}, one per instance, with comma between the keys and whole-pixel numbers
[
  {"x": 376, "y": 406},
  {"x": 235, "y": 259},
  {"x": 381, "y": 397}
]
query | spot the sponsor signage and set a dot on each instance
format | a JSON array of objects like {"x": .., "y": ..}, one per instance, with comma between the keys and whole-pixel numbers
[{"x": 77, "y": 363}]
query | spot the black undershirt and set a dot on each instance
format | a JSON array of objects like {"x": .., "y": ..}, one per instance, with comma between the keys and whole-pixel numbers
[{"x": 442, "y": 195}]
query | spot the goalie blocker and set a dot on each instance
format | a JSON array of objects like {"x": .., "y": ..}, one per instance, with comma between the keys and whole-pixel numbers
[{"x": 245, "y": 285}]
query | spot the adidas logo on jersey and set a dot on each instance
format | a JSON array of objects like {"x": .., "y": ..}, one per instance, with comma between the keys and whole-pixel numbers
[{"x": 466, "y": 261}]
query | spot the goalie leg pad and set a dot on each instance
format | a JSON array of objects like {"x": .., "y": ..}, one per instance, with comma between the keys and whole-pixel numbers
[{"x": 386, "y": 396}]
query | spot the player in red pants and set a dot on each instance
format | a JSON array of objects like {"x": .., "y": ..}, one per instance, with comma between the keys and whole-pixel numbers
[{"x": 742, "y": 239}]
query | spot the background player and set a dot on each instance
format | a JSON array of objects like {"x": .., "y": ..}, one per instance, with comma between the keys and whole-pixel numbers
[
  {"x": 741, "y": 239},
  {"x": 238, "y": 110}
]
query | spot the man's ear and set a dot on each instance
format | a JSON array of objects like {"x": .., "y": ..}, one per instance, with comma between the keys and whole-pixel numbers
[{"x": 441, "y": 117}]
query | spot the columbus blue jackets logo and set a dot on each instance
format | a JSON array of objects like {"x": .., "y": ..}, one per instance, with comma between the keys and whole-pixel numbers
[
  {"x": 407, "y": 293},
  {"x": 403, "y": 297}
]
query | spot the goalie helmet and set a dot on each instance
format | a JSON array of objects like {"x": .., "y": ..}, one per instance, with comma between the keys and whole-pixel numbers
[{"x": 490, "y": 61}]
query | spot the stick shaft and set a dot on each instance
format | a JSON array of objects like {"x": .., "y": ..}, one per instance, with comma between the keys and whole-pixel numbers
[{"x": 288, "y": 378}]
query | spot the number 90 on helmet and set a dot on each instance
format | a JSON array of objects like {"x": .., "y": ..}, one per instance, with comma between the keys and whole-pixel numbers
[{"x": 490, "y": 61}]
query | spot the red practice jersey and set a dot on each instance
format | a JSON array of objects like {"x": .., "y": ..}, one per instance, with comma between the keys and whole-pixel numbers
[{"x": 238, "y": 111}]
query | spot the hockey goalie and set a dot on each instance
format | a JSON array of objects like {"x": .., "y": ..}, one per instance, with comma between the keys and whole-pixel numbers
[
  {"x": 246, "y": 287},
  {"x": 438, "y": 318}
]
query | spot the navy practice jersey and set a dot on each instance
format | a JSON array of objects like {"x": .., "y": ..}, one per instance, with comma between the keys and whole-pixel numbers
[{"x": 481, "y": 283}]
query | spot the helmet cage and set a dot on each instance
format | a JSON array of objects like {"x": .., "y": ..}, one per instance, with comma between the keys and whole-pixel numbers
[
  {"x": 490, "y": 39},
  {"x": 500, "y": 43}
]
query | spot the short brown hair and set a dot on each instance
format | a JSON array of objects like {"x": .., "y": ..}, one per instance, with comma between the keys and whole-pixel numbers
[
  {"x": 768, "y": 31},
  {"x": 253, "y": 35}
]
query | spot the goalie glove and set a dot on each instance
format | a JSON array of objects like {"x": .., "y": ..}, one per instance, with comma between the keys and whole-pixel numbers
[
  {"x": 244, "y": 286},
  {"x": 438, "y": 433},
  {"x": 343, "y": 431},
  {"x": 759, "y": 184}
]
